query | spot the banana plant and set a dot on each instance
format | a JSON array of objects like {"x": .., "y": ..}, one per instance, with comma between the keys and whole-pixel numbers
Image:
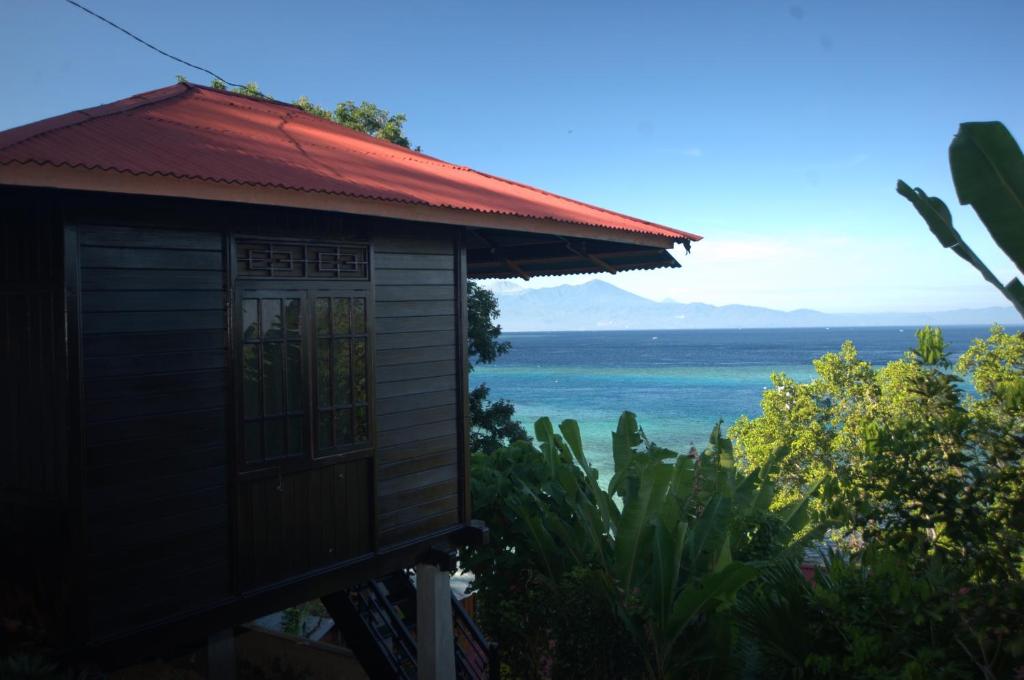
[
  {"x": 660, "y": 539},
  {"x": 988, "y": 173}
]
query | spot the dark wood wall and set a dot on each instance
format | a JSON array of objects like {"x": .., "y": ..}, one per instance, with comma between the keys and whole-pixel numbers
[
  {"x": 153, "y": 334},
  {"x": 123, "y": 429},
  {"x": 417, "y": 385},
  {"x": 35, "y": 496}
]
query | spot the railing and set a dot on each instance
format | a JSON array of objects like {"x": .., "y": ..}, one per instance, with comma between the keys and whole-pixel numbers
[
  {"x": 475, "y": 657},
  {"x": 388, "y": 630}
]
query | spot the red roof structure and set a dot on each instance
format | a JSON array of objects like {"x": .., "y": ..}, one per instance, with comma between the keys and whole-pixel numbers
[{"x": 193, "y": 133}]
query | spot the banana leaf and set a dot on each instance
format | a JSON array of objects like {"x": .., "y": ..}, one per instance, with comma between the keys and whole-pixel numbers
[
  {"x": 940, "y": 221},
  {"x": 988, "y": 173}
]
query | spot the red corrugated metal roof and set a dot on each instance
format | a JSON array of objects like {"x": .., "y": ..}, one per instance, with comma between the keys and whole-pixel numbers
[{"x": 198, "y": 133}]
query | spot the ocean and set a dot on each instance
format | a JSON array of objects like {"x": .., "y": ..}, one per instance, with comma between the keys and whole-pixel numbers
[{"x": 678, "y": 382}]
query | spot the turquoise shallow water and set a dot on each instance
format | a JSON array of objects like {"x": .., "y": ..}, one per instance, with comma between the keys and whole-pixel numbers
[{"x": 679, "y": 383}]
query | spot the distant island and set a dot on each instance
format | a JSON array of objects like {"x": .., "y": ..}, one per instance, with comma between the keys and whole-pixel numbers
[{"x": 600, "y": 306}]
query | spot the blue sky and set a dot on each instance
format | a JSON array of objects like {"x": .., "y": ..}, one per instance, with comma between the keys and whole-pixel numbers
[{"x": 776, "y": 129}]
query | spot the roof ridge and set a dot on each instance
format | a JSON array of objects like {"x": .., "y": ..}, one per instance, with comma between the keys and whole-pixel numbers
[{"x": 112, "y": 108}]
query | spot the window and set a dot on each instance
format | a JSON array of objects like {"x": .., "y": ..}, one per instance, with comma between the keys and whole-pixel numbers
[
  {"x": 341, "y": 373},
  {"x": 304, "y": 356}
]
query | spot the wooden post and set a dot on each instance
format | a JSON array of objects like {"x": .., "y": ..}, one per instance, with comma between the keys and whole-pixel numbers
[
  {"x": 220, "y": 655},
  {"x": 435, "y": 639}
]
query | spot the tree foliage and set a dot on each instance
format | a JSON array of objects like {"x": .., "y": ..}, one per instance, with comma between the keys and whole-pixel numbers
[
  {"x": 925, "y": 480},
  {"x": 652, "y": 564},
  {"x": 492, "y": 423},
  {"x": 365, "y": 116}
]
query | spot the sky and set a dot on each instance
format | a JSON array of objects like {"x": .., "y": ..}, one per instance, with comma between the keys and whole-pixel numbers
[{"x": 777, "y": 130}]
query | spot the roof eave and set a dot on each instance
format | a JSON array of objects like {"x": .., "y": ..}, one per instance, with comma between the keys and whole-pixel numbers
[{"x": 113, "y": 181}]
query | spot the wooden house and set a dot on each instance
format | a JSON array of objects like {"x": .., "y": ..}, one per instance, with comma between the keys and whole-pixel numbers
[{"x": 233, "y": 369}]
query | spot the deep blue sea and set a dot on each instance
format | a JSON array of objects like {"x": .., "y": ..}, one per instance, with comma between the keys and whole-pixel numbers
[{"x": 678, "y": 382}]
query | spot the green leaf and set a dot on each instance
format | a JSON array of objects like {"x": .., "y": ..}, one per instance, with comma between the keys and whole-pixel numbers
[
  {"x": 637, "y": 522},
  {"x": 716, "y": 587},
  {"x": 939, "y": 220},
  {"x": 988, "y": 172}
]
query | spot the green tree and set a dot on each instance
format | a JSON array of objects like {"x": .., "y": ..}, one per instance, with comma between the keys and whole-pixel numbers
[
  {"x": 365, "y": 117},
  {"x": 925, "y": 480},
  {"x": 492, "y": 424}
]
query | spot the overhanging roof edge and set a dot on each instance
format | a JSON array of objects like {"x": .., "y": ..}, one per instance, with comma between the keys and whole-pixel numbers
[{"x": 113, "y": 181}]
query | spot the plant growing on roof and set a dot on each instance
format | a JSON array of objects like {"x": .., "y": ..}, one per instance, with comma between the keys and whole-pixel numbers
[{"x": 988, "y": 172}]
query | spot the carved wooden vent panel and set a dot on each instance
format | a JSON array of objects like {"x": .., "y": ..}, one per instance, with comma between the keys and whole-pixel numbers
[{"x": 284, "y": 260}]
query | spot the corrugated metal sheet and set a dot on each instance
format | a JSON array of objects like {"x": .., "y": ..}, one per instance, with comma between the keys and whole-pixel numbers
[{"x": 191, "y": 132}]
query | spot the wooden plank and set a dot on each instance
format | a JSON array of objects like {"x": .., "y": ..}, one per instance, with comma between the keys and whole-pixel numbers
[
  {"x": 414, "y": 277},
  {"x": 409, "y": 244},
  {"x": 145, "y": 343},
  {"x": 140, "y": 492},
  {"x": 156, "y": 467},
  {"x": 408, "y": 435},
  {"x": 414, "y": 261},
  {"x": 153, "y": 532},
  {"x": 421, "y": 527},
  {"x": 403, "y": 292},
  {"x": 412, "y": 513},
  {"x": 359, "y": 489},
  {"x": 129, "y": 429},
  {"x": 151, "y": 301},
  {"x": 420, "y": 463},
  {"x": 107, "y": 570},
  {"x": 133, "y": 322},
  {"x": 462, "y": 363},
  {"x": 428, "y": 369},
  {"x": 329, "y": 533},
  {"x": 416, "y": 386},
  {"x": 410, "y": 340},
  {"x": 143, "y": 364},
  {"x": 141, "y": 237},
  {"x": 413, "y": 419},
  {"x": 132, "y": 386},
  {"x": 410, "y": 324},
  {"x": 156, "y": 446},
  {"x": 397, "y": 485},
  {"x": 94, "y": 257},
  {"x": 414, "y": 355},
  {"x": 414, "y": 402},
  {"x": 402, "y": 452},
  {"x": 344, "y": 529},
  {"x": 405, "y": 308},
  {"x": 136, "y": 279},
  {"x": 150, "y": 405},
  {"x": 185, "y": 515},
  {"x": 149, "y": 601},
  {"x": 417, "y": 495}
]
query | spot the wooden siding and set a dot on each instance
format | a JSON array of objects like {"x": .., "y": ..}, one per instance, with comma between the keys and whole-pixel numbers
[
  {"x": 416, "y": 386},
  {"x": 31, "y": 319},
  {"x": 153, "y": 334},
  {"x": 34, "y": 482},
  {"x": 303, "y": 521},
  {"x": 116, "y": 418}
]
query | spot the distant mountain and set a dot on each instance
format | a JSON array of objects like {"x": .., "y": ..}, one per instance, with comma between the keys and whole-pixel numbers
[{"x": 598, "y": 305}]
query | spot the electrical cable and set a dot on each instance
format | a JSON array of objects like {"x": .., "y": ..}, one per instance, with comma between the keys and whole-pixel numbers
[{"x": 152, "y": 46}]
